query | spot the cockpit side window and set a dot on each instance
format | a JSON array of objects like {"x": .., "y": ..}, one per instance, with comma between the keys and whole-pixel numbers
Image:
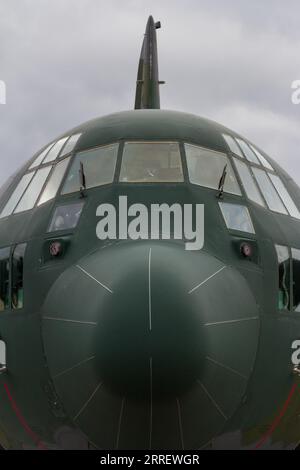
[
  {"x": 232, "y": 144},
  {"x": 66, "y": 217},
  {"x": 32, "y": 192},
  {"x": 283, "y": 257},
  {"x": 269, "y": 192},
  {"x": 286, "y": 198},
  {"x": 151, "y": 162},
  {"x": 17, "y": 194},
  {"x": 54, "y": 181},
  {"x": 237, "y": 217},
  {"x": 206, "y": 167},
  {"x": 248, "y": 152},
  {"x": 4, "y": 278},
  {"x": 39, "y": 159},
  {"x": 70, "y": 145},
  {"x": 270, "y": 185},
  {"x": 243, "y": 149},
  {"x": 55, "y": 150},
  {"x": 248, "y": 182},
  {"x": 98, "y": 166},
  {"x": 261, "y": 158}
]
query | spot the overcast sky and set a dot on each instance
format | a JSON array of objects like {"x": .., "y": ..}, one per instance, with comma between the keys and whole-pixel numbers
[{"x": 65, "y": 62}]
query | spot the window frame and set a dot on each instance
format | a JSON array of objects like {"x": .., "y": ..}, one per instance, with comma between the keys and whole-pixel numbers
[
  {"x": 52, "y": 165},
  {"x": 237, "y": 161},
  {"x": 15, "y": 211},
  {"x": 60, "y": 156},
  {"x": 283, "y": 198},
  {"x": 231, "y": 137},
  {"x": 263, "y": 170},
  {"x": 59, "y": 187},
  {"x": 31, "y": 172}
]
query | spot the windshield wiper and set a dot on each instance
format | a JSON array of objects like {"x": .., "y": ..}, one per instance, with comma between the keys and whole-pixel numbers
[{"x": 222, "y": 183}]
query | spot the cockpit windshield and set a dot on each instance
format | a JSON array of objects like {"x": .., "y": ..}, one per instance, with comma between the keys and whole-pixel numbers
[{"x": 146, "y": 162}]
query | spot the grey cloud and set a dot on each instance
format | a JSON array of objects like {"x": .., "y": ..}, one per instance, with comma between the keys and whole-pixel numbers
[{"x": 65, "y": 62}]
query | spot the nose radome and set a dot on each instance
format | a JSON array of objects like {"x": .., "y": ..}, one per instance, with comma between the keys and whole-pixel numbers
[{"x": 143, "y": 330}]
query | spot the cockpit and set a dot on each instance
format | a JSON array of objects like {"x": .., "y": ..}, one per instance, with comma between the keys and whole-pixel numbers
[{"x": 246, "y": 172}]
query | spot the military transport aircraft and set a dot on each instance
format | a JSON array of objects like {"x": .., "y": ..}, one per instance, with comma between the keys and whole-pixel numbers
[{"x": 120, "y": 343}]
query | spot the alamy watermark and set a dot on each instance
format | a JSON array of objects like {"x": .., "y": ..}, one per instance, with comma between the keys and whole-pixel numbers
[
  {"x": 296, "y": 354},
  {"x": 2, "y": 92},
  {"x": 296, "y": 93},
  {"x": 160, "y": 221}
]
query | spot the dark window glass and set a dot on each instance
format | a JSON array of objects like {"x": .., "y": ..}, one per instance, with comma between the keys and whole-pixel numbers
[
  {"x": 284, "y": 277},
  {"x": 17, "y": 294},
  {"x": 66, "y": 217},
  {"x": 4, "y": 278},
  {"x": 296, "y": 279}
]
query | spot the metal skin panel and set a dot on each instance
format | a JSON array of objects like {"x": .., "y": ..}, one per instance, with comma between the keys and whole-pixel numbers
[
  {"x": 149, "y": 355},
  {"x": 265, "y": 392}
]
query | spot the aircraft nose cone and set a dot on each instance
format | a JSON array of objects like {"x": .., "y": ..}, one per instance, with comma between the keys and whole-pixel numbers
[
  {"x": 140, "y": 331},
  {"x": 148, "y": 331}
]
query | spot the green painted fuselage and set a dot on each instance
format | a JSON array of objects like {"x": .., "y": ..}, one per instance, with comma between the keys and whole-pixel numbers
[{"x": 162, "y": 386}]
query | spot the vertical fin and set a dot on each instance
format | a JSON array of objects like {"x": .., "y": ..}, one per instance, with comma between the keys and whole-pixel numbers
[{"x": 147, "y": 87}]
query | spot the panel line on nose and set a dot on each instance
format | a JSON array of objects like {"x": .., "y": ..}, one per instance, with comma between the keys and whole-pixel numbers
[
  {"x": 88, "y": 401},
  {"x": 73, "y": 367},
  {"x": 206, "y": 280},
  {"x": 180, "y": 423},
  {"x": 151, "y": 405},
  {"x": 149, "y": 289},
  {"x": 81, "y": 322},
  {"x": 224, "y": 366},
  {"x": 224, "y": 322},
  {"x": 212, "y": 400},
  {"x": 120, "y": 423},
  {"x": 94, "y": 279}
]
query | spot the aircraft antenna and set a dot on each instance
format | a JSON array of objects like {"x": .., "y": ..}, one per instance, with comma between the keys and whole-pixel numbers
[{"x": 147, "y": 85}]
